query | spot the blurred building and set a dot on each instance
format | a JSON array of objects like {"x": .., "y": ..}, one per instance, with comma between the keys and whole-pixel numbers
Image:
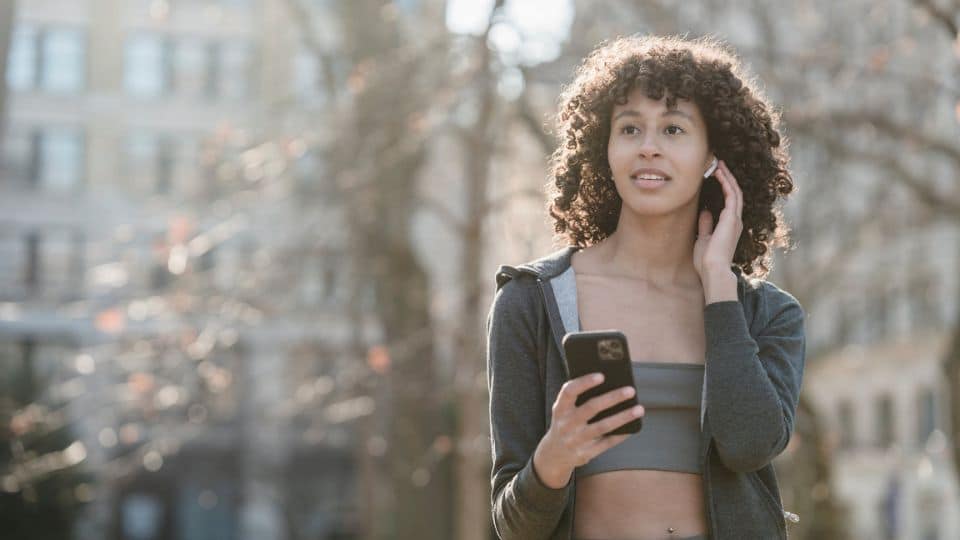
[
  {"x": 877, "y": 381},
  {"x": 886, "y": 406},
  {"x": 880, "y": 334},
  {"x": 125, "y": 241}
]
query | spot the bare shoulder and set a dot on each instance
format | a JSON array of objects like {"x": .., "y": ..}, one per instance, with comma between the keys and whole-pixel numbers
[{"x": 584, "y": 260}]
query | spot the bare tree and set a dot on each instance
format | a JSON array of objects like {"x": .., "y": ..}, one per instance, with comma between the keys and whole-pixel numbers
[
  {"x": 376, "y": 159},
  {"x": 881, "y": 135}
]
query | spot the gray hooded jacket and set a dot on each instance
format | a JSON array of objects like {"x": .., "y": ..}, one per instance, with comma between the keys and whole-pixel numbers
[{"x": 755, "y": 350}]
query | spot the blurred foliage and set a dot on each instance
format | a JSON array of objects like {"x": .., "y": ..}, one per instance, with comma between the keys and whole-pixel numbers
[{"x": 43, "y": 484}]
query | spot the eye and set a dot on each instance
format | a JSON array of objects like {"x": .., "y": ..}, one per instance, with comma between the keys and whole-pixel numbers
[
  {"x": 675, "y": 126},
  {"x": 626, "y": 129}
]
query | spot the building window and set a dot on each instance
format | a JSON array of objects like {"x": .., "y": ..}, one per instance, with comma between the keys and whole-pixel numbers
[
  {"x": 50, "y": 159},
  {"x": 61, "y": 160},
  {"x": 158, "y": 66},
  {"x": 53, "y": 261},
  {"x": 139, "y": 157},
  {"x": 192, "y": 63},
  {"x": 63, "y": 67},
  {"x": 51, "y": 59},
  {"x": 23, "y": 60},
  {"x": 61, "y": 251},
  {"x": 21, "y": 152},
  {"x": 846, "y": 425},
  {"x": 147, "y": 70},
  {"x": 235, "y": 69},
  {"x": 926, "y": 414},
  {"x": 150, "y": 162},
  {"x": 885, "y": 422}
]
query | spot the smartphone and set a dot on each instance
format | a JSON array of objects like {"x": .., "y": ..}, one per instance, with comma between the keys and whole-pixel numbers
[{"x": 603, "y": 351}]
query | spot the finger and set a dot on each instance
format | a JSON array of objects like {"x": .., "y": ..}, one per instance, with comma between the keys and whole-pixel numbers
[
  {"x": 736, "y": 188},
  {"x": 603, "y": 444},
  {"x": 729, "y": 197},
  {"x": 572, "y": 389},
  {"x": 705, "y": 223},
  {"x": 603, "y": 402},
  {"x": 736, "y": 206},
  {"x": 611, "y": 423}
]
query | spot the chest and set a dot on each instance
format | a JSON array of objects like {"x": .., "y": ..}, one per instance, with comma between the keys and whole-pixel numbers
[{"x": 660, "y": 325}]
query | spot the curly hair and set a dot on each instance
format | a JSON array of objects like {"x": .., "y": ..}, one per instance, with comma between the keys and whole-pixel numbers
[{"x": 742, "y": 130}]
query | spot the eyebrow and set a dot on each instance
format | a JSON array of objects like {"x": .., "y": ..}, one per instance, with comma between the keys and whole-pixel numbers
[{"x": 670, "y": 112}]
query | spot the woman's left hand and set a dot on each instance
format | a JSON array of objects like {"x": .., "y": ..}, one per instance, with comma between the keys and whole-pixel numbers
[{"x": 714, "y": 249}]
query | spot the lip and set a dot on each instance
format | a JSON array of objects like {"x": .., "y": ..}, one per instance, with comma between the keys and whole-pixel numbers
[
  {"x": 649, "y": 170},
  {"x": 649, "y": 184}
]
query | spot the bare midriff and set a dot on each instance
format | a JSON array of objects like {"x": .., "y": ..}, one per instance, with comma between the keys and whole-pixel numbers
[
  {"x": 639, "y": 505},
  {"x": 661, "y": 325}
]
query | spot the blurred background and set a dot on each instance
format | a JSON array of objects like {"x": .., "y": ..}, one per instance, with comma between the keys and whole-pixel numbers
[{"x": 248, "y": 247}]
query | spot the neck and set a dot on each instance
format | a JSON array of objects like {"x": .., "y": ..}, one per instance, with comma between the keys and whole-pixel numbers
[{"x": 658, "y": 249}]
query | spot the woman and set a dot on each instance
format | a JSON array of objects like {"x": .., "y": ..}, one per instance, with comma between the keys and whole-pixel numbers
[{"x": 666, "y": 187}]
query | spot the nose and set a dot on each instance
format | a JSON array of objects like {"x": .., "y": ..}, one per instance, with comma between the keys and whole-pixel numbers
[{"x": 648, "y": 146}]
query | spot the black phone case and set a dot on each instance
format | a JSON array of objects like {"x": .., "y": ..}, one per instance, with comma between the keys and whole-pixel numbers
[{"x": 603, "y": 351}]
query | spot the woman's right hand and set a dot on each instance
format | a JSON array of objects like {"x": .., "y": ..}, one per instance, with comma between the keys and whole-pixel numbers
[{"x": 570, "y": 441}]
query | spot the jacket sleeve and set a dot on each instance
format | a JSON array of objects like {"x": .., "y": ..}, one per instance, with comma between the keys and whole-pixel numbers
[
  {"x": 523, "y": 506},
  {"x": 753, "y": 385}
]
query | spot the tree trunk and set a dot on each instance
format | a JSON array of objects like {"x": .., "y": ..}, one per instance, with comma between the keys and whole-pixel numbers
[
  {"x": 473, "y": 456},
  {"x": 951, "y": 368},
  {"x": 377, "y": 160},
  {"x": 7, "y": 15}
]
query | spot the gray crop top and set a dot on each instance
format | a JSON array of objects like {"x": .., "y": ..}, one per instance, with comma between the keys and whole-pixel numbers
[{"x": 670, "y": 438}]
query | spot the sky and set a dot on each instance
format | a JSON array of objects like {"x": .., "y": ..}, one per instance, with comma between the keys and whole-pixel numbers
[{"x": 533, "y": 30}]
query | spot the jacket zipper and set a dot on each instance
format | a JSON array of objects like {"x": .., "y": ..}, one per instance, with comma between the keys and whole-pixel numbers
[{"x": 772, "y": 506}]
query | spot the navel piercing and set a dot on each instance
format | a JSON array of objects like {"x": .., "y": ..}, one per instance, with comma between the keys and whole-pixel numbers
[{"x": 671, "y": 530}]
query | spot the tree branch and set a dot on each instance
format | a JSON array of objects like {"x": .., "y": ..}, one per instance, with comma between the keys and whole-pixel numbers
[
  {"x": 940, "y": 15},
  {"x": 442, "y": 212},
  {"x": 946, "y": 205},
  {"x": 529, "y": 119},
  {"x": 887, "y": 125}
]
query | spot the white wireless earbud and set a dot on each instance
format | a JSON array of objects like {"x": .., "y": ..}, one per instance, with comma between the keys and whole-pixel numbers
[{"x": 713, "y": 167}]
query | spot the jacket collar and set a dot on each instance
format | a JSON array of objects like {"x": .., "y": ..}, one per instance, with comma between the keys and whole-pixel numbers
[{"x": 550, "y": 265}]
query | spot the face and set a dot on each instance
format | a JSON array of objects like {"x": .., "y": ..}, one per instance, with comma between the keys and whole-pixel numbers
[{"x": 644, "y": 134}]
